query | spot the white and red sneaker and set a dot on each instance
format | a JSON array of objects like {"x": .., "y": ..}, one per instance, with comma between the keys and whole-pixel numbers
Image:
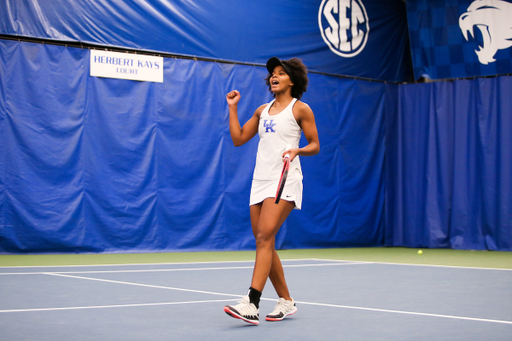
[
  {"x": 244, "y": 310},
  {"x": 283, "y": 309}
]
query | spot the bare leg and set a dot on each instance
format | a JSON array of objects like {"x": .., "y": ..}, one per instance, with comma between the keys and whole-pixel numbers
[
  {"x": 276, "y": 271},
  {"x": 277, "y": 278},
  {"x": 266, "y": 220}
]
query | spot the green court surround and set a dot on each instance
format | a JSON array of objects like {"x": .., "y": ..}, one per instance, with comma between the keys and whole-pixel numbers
[{"x": 445, "y": 257}]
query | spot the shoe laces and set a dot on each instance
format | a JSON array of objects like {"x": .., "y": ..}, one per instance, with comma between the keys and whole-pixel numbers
[
  {"x": 282, "y": 306},
  {"x": 245, "y": 307}
]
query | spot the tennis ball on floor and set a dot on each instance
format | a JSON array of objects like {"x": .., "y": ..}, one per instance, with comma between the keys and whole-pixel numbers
[{"x": 420, "y": 252}]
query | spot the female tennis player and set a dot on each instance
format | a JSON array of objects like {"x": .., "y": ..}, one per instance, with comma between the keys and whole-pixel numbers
[{"x": 279, "y": 124}]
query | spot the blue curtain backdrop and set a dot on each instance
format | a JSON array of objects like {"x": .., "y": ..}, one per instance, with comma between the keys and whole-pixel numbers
[
  {"x": 107, "y": 165},
  {"x": 449, "y": 162},
  {"x": 240, "y": 31},
  {"x": 94, "y": 164}
]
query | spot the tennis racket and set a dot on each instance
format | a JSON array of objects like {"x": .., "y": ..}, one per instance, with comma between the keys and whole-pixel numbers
[{"x": 284, "y": 175}]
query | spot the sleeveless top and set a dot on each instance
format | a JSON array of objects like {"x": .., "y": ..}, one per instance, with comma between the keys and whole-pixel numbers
[{"x": 276, "y": 132}]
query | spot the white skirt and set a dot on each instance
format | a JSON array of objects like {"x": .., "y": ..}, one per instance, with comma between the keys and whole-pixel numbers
[{"x": 263, "y": 189}]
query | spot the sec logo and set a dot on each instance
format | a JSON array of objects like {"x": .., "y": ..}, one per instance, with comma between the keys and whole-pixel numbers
[{"x": 344, "y": 26}]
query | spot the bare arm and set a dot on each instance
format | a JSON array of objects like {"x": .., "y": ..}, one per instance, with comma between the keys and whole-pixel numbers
[
  {"x": 306, "y": 120},
  {"x": 240, "y": 135}
]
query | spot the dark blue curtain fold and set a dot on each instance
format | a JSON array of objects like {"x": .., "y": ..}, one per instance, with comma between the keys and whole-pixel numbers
[
  {"x": 42, "y": 130},
  {"x": 449, "y": 179},
  {"x": 343, "y": 185}
]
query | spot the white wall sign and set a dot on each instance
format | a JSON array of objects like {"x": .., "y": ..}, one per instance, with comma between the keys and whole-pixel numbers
[{"x": 127, "y": 66}]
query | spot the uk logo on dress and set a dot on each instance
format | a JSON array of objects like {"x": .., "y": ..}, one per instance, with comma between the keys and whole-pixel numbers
[{"x": 269, "y": 126}]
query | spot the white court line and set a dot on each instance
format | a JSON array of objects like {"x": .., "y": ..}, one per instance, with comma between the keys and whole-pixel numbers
[
  {"x": 175, "y": 270},
  {"x": 237, "y": 296},
  {"x": 405, "y": 312},
  {"x": 110, "y": 306},
  {"x": 143, "y": 264},
  {"x": 142, "y": 285},
  {"x": 412, "y": 264},
  {"x": 126, "y": 264}
]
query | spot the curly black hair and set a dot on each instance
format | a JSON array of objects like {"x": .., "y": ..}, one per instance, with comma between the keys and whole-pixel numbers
[{"x": 299, "y": 77}]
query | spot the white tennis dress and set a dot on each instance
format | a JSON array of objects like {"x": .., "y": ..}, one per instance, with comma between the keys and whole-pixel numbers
[{"x": 276, "y": 132}]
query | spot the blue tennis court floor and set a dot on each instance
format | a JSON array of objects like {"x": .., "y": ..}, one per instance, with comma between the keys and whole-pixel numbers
[{"x": 340, "y": 300}]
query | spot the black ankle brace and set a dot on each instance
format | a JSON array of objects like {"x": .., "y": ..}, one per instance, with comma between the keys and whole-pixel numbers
[{"x": 254, "y": 297}]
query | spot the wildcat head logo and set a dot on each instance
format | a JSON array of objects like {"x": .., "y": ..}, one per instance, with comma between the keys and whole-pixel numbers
[{"x": 494, "y": 19}]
